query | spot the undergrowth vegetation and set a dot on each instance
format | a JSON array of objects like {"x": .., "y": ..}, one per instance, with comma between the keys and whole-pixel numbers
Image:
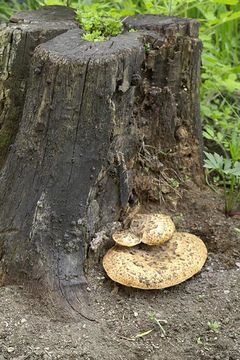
[{"x": 220, "y": 33}]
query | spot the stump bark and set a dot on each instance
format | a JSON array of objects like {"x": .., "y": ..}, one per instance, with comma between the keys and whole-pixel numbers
[
  {"x": 18, "y": 40},
  {"x": 90, "y": 110}
]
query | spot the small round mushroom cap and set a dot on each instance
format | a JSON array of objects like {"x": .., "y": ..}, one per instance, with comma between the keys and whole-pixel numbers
[
  {"x": 153, "y": 229},
  {"x": 126, "y": 238},
  {"x": 156, "y": 267}
]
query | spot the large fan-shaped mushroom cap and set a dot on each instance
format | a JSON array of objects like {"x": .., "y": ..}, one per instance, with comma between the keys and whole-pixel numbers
[{"x": 156, "y": 267}]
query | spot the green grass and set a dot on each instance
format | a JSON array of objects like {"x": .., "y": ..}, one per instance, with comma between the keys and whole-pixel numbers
[{"x": 8, "y": 7}]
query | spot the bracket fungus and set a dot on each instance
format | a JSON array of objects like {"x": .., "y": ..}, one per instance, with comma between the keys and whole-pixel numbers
[
  {"x": 126, "y": 238},
  {"x": 153, "y": 229},
  {"x": 142, "y": 266}
]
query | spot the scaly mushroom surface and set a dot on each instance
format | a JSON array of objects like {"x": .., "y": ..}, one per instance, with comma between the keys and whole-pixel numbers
[
  {"x": 126, "y": 238},
  {"x": 156, "y": 267},
  {"x": 153, "y": 229}
]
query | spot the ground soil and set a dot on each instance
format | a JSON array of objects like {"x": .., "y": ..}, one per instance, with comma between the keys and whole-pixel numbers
[{"x": 29, "y": 330}]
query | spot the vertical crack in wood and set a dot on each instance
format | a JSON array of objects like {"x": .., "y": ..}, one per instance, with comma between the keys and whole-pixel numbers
[
  {"x": 45, "y": 140},
  {"x": 79, "y": 119}
]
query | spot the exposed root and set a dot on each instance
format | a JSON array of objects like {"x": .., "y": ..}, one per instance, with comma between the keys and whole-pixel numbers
[{"x": 76, "y": 301}]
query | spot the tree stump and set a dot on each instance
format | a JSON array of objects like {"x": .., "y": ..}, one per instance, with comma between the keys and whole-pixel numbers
[
  {"x": 18, "y": 39},
  {"x": 74, "y": 169}
]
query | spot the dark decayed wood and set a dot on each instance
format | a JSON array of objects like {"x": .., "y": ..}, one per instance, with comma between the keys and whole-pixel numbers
[{"x": 18, "y": 39}]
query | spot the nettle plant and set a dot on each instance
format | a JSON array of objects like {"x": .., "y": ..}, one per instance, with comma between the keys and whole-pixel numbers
[
  {"x": 227, "y": 174},
  {"x": 223, "y": 167}
]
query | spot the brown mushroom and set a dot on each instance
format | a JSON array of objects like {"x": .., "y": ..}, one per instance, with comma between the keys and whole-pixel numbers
[{"x": 156, "y": 267}]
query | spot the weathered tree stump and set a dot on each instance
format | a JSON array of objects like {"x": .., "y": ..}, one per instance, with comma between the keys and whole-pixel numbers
[
  {"x": 18, "y": 41},
  {"x": 74, "y": 167}
]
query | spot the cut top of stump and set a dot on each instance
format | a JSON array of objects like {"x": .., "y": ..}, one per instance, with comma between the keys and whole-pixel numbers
[
  {"x": 46, "y": 14},
  {"x": 165, "y": 25},
  {"x": 70, "y": 46}
]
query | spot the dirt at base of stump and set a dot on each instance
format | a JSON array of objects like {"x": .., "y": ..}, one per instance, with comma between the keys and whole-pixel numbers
[{"x": 29, "y": 331}]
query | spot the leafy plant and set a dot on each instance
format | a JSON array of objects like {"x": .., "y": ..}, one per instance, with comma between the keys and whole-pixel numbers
[
  {"x": 214, "y": 326},
  {"x": 99, "y": 22},
  {"x": 228, "y": 171},
  {"x": 229, "y": 143},
  {"x": 199, "y": 340}
]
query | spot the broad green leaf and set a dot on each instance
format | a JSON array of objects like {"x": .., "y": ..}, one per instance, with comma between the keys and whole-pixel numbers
[
  {"x": 227, "y": 164},
  {"x": 232, "y": 85},
  {"x": 213, "y": 161}
]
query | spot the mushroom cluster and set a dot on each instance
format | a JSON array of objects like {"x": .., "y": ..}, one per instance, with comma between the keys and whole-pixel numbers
[{"x": 152, "y": 255}]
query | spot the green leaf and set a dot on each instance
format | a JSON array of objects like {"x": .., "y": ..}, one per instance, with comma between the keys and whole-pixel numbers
[
  {"x": 209, "y": 133},
  {"x": 213, "y": 161},
  {"x": 226, "y": 2},
  {"x": 227, "y": 164},
  {"x": 234, "y": 146},
  {"x": 231, "y": 85},
  {"x": 236, "y": 169}
]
